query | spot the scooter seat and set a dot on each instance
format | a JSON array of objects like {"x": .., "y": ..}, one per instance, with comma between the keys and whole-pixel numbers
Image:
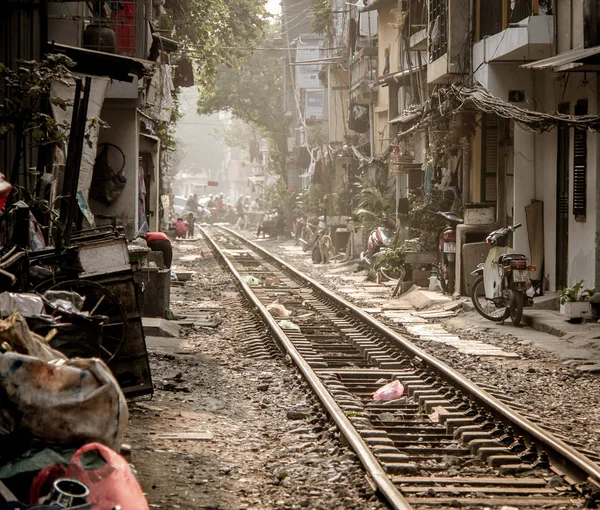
[
  {"x": 508, "y": 257},
  {"x": 450, "y": 216}
]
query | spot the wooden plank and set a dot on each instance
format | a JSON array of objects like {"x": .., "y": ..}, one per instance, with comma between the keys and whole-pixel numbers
[
  {"x": 482, "y": 490},
  {"x": 487, "y": 502},
  {"x": 514, "y": 482},
  {"x": 6, "y": 493},
  {"x": 535, "y": 7},
  {"x": 186, "y": 436}
]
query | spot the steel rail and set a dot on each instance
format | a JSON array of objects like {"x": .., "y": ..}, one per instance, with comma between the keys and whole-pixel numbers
[
  {"x": 559, "y": 447},
  {"x": 369, "y": 461}
]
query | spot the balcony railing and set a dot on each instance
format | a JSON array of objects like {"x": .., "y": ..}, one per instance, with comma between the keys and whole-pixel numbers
[
  {"x": 497, "y": 15},
  {"x": 363, "y": 72},
  {"x": 438, "y": 29}
]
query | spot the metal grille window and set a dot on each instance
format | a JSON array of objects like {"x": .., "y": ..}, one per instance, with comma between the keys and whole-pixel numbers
[
  {"x": 121, "y": 17},
  {"x": 580, "y": 165},
  {"x": 490, "y": 17},
  {"x": 438, "y": 29},
  {"x": 519, "y": 10}
]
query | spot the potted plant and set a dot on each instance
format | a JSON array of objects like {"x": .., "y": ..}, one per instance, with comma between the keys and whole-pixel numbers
[{"x": 574, "y": 301}]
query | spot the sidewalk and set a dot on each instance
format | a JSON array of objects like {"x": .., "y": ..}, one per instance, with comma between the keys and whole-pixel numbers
[{"x": 576, "y": 344}]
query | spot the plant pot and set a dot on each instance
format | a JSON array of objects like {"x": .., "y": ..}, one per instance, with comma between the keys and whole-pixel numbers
[
  {"x": 576, "y": 309},
  {"x": 100, "y": 37}
]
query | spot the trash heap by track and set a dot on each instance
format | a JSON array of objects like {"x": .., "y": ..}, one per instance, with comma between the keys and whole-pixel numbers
[{"x": 63, "y": 414}]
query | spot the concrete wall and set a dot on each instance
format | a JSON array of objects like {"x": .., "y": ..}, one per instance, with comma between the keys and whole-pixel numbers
[
  {"x": 122, "y": 117},
  {"x": 338, "y": 106},
  {"x": 388, "y": 39}
]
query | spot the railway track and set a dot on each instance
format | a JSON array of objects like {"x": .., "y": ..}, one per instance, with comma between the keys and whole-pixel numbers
[{"x": 447, "y": 442}]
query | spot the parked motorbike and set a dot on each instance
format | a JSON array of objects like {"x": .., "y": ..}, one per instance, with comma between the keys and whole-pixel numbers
[
  {"x": 309, "y": 232},
  {"x": 272, "y": 225},
  {"x": 447, "y": 251},
  {"x": 499, "y": 292},
  {"x": 381, "y": 237}
]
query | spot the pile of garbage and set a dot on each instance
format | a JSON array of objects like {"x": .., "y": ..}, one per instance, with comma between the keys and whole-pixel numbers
[{"x": 62, "y": 415}]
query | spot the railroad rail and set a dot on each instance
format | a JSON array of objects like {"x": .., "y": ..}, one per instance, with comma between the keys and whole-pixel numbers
[{"x": 447, "y": 442}]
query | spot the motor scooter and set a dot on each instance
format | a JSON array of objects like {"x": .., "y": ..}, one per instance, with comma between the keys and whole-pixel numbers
[
  {"x": 447, "y": 251},
  {"x": 381, "y": 237},
  {"x": 500, "y": 289},
  {"x": 309, "y": 233}
]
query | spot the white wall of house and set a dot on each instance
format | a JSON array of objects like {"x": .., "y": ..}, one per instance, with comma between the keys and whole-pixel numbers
[
  {"x": 122, "y": 117},
  {"x": 534, "y": 159}
]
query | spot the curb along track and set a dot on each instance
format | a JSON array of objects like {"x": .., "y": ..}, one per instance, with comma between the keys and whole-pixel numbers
[{"x": 476, "y": 451}]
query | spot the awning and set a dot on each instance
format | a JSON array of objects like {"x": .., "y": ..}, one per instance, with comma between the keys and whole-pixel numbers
[
  {"x": 377, "y": 4},
  {"x": 409, "y": 116},
  {"x": 401, "y": 77},
  {"x": 98, "y": 63},
  {"x": 587, "y": 59}
]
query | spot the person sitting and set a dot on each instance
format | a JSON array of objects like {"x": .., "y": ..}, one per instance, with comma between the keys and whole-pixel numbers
[{"x": 181, "y": 228}]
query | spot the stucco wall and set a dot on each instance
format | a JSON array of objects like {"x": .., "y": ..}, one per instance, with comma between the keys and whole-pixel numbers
[{"x": 388, "y": 38}]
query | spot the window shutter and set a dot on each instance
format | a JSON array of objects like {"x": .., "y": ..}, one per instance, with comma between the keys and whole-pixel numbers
[
  {"x": 490, "y": 159},
  {"x": 580, "y": 165}
]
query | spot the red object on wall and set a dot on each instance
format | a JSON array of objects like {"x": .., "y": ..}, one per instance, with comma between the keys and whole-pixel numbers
[{"x": 124, "y": 24}]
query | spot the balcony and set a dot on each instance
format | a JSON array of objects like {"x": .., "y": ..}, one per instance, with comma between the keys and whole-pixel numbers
[
  {"x": 363, "y": 74},
  {"x": 445, "y": 41},
  {"x": 530, "y": 39},
  {"x": 511, "y": 31}
]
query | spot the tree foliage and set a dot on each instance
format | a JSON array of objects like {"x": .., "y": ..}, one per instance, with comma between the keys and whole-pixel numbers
[
  {"x": 322, "y": 16},
  {"x": 215, "y": 32},
  {"x": 253, "y": 94}
]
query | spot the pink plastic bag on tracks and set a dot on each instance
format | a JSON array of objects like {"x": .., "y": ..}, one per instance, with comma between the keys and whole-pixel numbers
[
  {"x": 390, "y": 391},
  {"x": 112, "y": 485}
]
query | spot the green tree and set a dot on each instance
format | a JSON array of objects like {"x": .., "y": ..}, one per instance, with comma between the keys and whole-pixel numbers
[
  {"x": 215, "y": 32},
  {"x": 253, "y": 94}
]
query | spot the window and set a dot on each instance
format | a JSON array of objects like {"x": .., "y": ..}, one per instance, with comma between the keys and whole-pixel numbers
[
  {"x": 438, "y": 29},
  {"x": 580, "y": 165}
]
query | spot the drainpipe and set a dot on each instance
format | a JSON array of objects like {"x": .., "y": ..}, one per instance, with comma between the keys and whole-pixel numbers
[{"x": 371, "y": 130}]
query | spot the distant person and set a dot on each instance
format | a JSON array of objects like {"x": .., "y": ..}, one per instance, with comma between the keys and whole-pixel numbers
[
  {"x": 211, "y": 203},
  {"x": 158, "y": 241},
  {"x": 190, "y": 221},
  {"x": 191, "y": 203},
  {"x": 241, "y": 211},
  {"x": 220, "y": 204},
  {"x": 181, "y": 228}
]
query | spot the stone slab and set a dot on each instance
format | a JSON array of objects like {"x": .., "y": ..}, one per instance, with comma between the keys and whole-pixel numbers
[{"x": 160, "y": 327}]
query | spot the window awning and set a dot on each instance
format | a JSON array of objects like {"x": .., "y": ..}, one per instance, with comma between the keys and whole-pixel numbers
[
  {"x": 376, "y": 4},
  {"x": 99, "y": 63},
  {"x": 584, "y": 60}
]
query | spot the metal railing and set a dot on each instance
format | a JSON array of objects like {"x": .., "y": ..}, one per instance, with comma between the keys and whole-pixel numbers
[
  {"x": 438, "y": 29},
  {"x": 363, "y": 68}
]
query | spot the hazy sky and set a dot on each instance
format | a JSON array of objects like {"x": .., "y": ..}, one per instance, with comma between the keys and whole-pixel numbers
[{"x": 274, "y": 7}]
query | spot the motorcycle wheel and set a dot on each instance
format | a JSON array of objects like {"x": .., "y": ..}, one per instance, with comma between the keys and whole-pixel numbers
[
  {"x": 485, "y": 307},
  {"x": 516, "y": 311}
]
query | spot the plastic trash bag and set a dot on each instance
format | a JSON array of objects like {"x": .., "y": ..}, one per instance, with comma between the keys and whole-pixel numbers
[
  {"x": 65, "y": 300},
  {"x": 54, "y": 400},
  {"x": 15, "y": 332},
  {"x": 250, "y": 280},
  {"x": 390, "y": 391},
  {"x": 276, "y": 309},
  {"x": 111, "y": 485},
  {"x": 27, "y": 304},
  {"x": 288, "y": 325}
]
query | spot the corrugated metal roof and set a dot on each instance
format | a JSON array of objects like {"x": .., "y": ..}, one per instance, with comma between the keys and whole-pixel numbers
[{"x": 568, "y": 57}]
